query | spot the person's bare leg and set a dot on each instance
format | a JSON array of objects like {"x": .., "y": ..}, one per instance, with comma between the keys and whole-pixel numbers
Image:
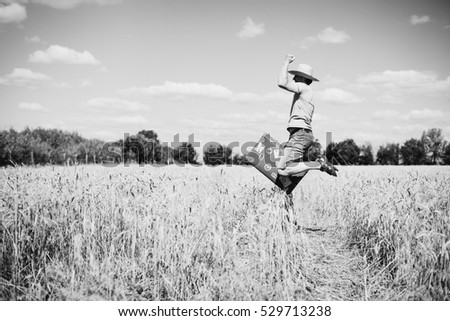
[{"x": 298, "y": 168}]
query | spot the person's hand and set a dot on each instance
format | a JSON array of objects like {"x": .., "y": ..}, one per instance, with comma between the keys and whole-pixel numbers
[{"x": 290, "y": 58}]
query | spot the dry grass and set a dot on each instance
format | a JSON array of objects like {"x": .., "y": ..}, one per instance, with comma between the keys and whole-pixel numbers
[{"x": 170, "y": 233}]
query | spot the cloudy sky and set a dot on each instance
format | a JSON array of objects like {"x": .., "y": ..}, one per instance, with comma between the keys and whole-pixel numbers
[{"x": 109, "y": 67}]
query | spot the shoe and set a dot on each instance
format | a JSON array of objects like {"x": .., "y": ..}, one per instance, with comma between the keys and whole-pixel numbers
[{"x": 327, "y": 167}]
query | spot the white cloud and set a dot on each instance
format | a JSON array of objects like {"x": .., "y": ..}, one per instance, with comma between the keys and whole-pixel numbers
[
  {"x": 408, "y": 81},
  {"x": 409, "y": 130},
  {"x": 27, "y": 74},
  {"x": 257, "y": 117},
  {"x": 330, "y": 80},
  {"x": 60, "y": 54},
  {"x": 320, "y": 117},
  {"x": 273, "y": 97},
  {"x": 251, "y": 29},
  {"x": 69, "y": 4},
  {"x": 385, "y": 114},
  {"x": 25, "y": 77},
  {"x": 125, "y": 120},
  {"x": 446, "y": 131},
  {"x": 85, "y": 83},
  {"x": 211, "y": 128},
  {"x": 401, "y": 77},
  {"x": 110, "y": 103},
  {"x": 30, "y": 79},
  {"x": 33, "y": 107},
  {"x": 101, "y": 134},
  {"x": 416, "y": 20},
  {"x": 62, "y": 85},
  {"x": 425, "y": 114},
  {"x": 371, "y": 138},
  {"x": 13, "y": 12},
  {"x": 329, "y": 35},
  {"x": 173, "y": 89},
  {"x": 34, "y": 39},
  {"x": 326, "y": 36},
  {"x": 337, "y": 96},
  {"x": 390, "y": 99}
]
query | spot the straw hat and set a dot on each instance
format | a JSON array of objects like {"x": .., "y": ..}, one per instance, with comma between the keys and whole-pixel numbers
[{"x": 304, "y": 71}]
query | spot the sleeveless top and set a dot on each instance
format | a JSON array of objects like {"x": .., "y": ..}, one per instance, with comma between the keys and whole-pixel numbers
[{"x": 301, "y": 114}]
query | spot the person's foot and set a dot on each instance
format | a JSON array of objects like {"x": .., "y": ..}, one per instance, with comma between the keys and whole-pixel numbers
[
  {"x": 282, "y": 172},
  {"x": 327, "y": 167}
]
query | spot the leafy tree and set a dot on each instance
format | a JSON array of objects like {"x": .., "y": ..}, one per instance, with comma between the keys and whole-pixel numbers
[
  {"x": 343, "y": 153},
  {"x": 94, "y": 151},
  {"x": 150, "y": 135},
  {"x": 366, "y": 155},
  {"x": 167, "y": 154},
  {"x": 446, "y": 154},
  {"x": 413, "y": 152},
  {"x": 239, "y": 159},
  {"x": 4, "y": 154},
  {"x": 389, "y": 154},
  {"x": 152, "y": 145},
  {"x": 185, "y": 154},
  {"x": 134, "y": 149},
  {"x": 216, "y": 154},
  {"x": 19, "y": 147},
  {"x": 331, "y": 153},
  {"x": 433, "y": 143},
  {"x": 227, "y": 152},
  {"x": 41, "y": 152},
  {"x": 111, "y": 152}
]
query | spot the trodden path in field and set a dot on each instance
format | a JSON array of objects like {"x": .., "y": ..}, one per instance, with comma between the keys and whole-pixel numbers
[{"x": 334, "y": 271}]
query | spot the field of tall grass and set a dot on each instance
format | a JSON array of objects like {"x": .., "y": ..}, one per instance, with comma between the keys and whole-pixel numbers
[{"x": 223, "y": 233}]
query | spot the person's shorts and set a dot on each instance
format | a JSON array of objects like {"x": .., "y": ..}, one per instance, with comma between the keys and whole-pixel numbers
[{"x": 300, "y": 140}]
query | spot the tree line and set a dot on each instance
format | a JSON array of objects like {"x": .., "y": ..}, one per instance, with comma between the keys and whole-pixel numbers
[
  {"x": 47, "y": 146},
  {"x": 57, "y": 147},
  {"x": 430, "y": 149},
  {"x": 53, "y": 146}
]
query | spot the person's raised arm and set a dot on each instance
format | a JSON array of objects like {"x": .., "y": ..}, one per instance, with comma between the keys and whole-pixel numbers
[{"x": 283, "y": 79}]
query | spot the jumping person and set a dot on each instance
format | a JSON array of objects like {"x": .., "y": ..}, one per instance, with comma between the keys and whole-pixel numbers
[{"x": 300, "y": 118}]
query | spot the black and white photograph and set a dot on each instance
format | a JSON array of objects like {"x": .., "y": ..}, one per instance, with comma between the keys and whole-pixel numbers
[{"x": 175, "y": 152}]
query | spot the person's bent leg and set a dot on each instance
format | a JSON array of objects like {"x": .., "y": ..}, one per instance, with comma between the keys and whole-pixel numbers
[
  {"x": 297, "y": 168},
  {"x": 289, "y": 156},
  {"x": 292, "y": 161}
]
